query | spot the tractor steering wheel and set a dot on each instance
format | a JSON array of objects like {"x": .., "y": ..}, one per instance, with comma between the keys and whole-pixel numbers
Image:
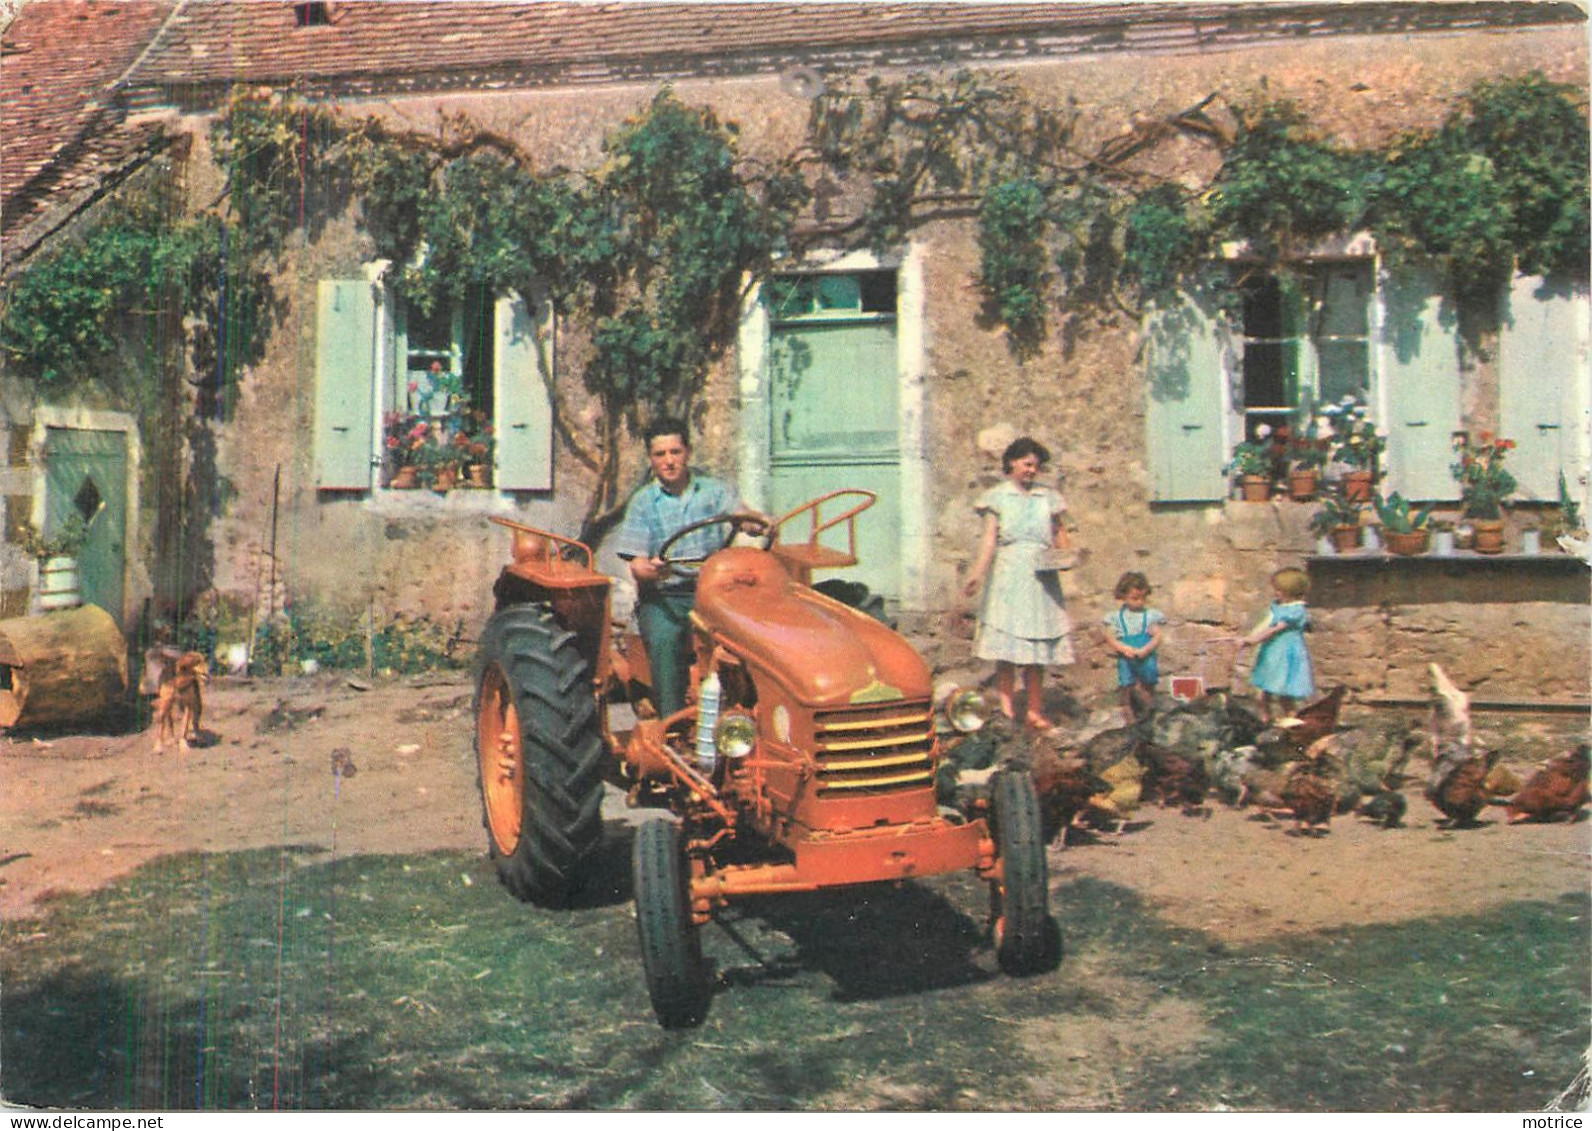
[{"x": 751, "y": 523}]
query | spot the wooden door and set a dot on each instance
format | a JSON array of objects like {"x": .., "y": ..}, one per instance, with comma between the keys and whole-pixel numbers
[
  {"x": 86, "y": 474},
  {"x": 834, "y": 395}
]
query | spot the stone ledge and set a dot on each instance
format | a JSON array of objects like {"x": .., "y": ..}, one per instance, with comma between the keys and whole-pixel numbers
[{"x": 1372, "y": 578}]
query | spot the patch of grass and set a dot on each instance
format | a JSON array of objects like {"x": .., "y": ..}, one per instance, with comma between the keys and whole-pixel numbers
[{"x": 285, "y": 979}]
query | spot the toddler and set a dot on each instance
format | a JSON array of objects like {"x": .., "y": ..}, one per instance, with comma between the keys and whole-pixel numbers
[
  {"x": 1133, "y": 632},
  {"x": 1282, "y": 662}
]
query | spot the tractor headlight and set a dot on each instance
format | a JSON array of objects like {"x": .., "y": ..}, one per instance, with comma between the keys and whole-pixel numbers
[
  {"x": 966, "y": 711},
  {"x": 736, "y": 736}
]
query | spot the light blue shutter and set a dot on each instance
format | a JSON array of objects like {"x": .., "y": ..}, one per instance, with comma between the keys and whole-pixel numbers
[
  {"x": 1184, "y": 373},
  {"x": 1419, "y": 354},
  {"x": 524, "y": 406},
  {"x": 345, "y": 353},
  {"x": 1542, "y": 362}
]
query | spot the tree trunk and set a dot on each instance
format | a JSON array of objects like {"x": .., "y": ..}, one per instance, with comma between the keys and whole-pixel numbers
[{"x": 61, "y": 668}]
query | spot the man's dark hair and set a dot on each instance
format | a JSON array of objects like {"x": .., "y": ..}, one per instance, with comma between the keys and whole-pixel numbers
[{"x": 667, "y": 426}]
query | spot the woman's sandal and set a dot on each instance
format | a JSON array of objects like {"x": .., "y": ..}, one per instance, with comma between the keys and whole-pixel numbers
[{"x": 1038, "y": 722}]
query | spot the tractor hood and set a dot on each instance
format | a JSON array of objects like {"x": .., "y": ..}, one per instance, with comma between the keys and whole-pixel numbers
[{"x": 826, "y": 654}]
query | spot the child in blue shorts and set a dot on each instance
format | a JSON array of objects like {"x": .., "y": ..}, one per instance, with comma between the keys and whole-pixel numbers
[{"x": 1133, "y": 632}]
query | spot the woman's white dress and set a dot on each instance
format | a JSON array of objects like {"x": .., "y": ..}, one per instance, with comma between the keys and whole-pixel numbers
[{"x": 1023, "y": 619}]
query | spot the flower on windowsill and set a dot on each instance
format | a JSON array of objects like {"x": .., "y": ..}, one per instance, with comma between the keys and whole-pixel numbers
[
  {"x": 1354, "y": 441},
  {"x": 1396, "y": 515},
  {"x": 1308, "y": 451},
  {"x": 1254, "y": 457},
  {"x": 1484, "y": 483}
]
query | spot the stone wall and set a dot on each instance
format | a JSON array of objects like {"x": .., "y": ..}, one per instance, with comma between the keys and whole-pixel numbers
[{"x": 1083, "y": 395}]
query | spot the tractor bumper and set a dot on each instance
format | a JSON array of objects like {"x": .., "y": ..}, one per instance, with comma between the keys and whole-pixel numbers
[{"x": 833, "y": 858}]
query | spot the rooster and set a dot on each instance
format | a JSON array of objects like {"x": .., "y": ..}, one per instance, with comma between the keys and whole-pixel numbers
[
  {"x": 1557, "y": 790},
  {"x": 1064, "y": 783},
  {"x": 1458, "y": 783}
]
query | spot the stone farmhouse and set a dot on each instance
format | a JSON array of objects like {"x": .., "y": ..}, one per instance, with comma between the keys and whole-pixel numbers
[{"x": 274, "y": 492}]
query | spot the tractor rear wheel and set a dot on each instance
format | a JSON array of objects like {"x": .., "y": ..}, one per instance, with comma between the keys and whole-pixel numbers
[
  {"x": 671, "y": 945},
  {"x": 539, "y": 753},
  {"x": 1024, "y": 937}
]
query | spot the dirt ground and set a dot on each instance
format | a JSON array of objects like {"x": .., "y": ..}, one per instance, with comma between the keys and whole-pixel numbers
[{"x": 385, "y": 766}]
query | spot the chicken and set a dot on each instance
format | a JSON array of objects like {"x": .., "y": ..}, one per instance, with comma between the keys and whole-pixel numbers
[
  {"x": 1557, "y": 790},
  {"x": 1310, "y": 797},
  {"x": 1314, "y": 721},
  {"x": 1064, "y": 783},
  {"x": 1310, "y": 792},
  {"x": 1228, "y": 770},
  {"x": 1502, "y": 783},
  {"x": 1124, "y": 787},
  {"x": 1386, "y": 808},
  {"x": 1458, "y": 783},
  {"x": 1175, "y": 778}
]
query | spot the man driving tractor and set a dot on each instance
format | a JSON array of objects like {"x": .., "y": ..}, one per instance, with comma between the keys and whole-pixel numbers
[{"x": 674, "y": 498}]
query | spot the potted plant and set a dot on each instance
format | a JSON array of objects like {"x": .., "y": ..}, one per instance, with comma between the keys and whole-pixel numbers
[
  {"x": 1338, "y": 519},
  {"x": 479, "y": 444},
  {"x": 1251, "y": 464},
  {"x": 57, "y": 558},
  {"x": 1484, "y": 486},
  {"x": 1404, "y": 530},
  {"x": 1564, "y": 527},
  {"x": 403, "y": 433},
  {"x": 1306, "y": 455},
  {"x": 1356, "y": 444}
]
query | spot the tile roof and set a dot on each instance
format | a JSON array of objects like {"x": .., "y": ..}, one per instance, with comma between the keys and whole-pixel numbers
[
  {"x": 59, "y": 63},
  {"x": 398, "y": 45},
  {"x": 71, "y": 69}
]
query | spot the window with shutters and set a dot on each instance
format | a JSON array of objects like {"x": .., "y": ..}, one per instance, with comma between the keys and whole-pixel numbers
[
  {"x": 443, "y": 391},
  {"x": 1242, "y": 347}
]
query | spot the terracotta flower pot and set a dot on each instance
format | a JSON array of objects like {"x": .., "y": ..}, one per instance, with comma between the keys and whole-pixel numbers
[
  {"x": 1256, "y": 488},
  {"x": 405, "y": 478},
  {"x": 1346, "y": 538},
  {"x": 1406, "y": 542},
  {"x": 478, "y": 475},
  {"x": 1303, "y": 483},
  {"x": 446, "y": 478},
  {"x": 1489, "y": 535},
  {"x": 1357, "y": 485}
]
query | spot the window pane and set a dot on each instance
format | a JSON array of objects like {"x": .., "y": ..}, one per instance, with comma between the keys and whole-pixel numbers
[
  {"x": 1271, "y": 373},
  {"x": 1345, "y": 300},
  {"x": 1343, "y": 370},
  {"x": 1263, "y": 316}
]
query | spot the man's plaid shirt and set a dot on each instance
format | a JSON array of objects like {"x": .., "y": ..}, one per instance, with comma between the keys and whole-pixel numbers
[{"x": 653, "y": 515}]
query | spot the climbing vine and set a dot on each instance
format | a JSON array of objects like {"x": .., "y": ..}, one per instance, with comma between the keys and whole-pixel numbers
[{"x": 651, "y": 250}]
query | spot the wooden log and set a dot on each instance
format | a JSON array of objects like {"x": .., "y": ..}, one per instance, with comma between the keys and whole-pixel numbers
[{"x": 61, "y": 668}]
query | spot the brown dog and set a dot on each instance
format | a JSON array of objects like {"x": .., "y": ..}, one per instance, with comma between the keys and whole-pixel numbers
[{"x": 179, "y": 700}]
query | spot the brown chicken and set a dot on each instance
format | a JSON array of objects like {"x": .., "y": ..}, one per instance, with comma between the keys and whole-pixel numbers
[
  {"x": 1458, "y": 783},
  {"x": 1064, "y": 783},
  {"x": 1556, "y": 791},
  {"x": 1311, "y": 796},
  {"x": 1175, "y": 778},
  {"x": 1314, "y": 721}
]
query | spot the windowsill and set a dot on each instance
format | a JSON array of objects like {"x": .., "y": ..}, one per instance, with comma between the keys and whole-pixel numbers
[
  {"x": 1460, "y": 559},
  {"x": 1366, "y": 579}
]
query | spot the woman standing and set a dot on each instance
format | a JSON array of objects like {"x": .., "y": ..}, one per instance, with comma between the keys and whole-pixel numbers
[{"x": 1023, "y": 623}]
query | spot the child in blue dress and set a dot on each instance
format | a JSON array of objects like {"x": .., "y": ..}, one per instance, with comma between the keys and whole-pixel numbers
[
  {"x": 1023, "y": 623},
  {"x": 1133, "y": 632},
  {"x": 1282, "y": 663}
]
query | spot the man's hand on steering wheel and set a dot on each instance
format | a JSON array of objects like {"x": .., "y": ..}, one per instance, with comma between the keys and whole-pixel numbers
[{"x": 751, "y": 523}]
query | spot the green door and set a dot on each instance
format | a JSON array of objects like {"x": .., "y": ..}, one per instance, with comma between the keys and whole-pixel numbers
[
  {"x": 86, "y": 474},
  {"x": 834, "y": 395}
]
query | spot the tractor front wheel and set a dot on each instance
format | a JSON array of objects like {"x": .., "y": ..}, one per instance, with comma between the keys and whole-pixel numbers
[
  {"x": 1020, "y": 901},
  {"x": 539, "y": 751},
  {"x": 671, "y": 946}
]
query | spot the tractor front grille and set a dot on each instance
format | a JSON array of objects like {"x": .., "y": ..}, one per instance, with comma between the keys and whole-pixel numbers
[{"x": 875, "y": 749}]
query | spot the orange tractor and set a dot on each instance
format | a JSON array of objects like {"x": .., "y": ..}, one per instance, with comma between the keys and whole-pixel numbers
[{"x": 805, "y": 757}]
